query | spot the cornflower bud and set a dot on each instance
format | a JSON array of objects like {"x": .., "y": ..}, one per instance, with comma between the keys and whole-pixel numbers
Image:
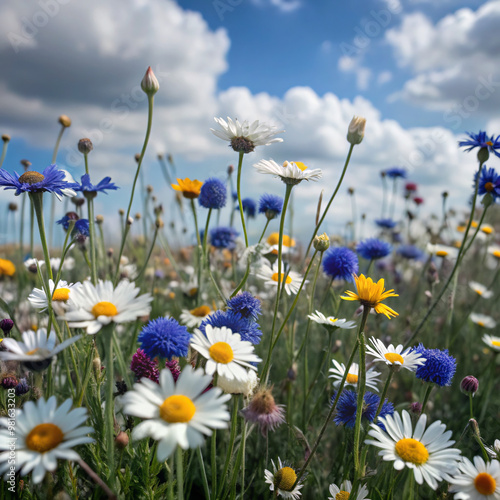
[
  {"x": 321, "y": 243},
  {"x": 65, "y": 121},
  {"x": 469, "y": 385},
  {"x": 85, "y": 146}
]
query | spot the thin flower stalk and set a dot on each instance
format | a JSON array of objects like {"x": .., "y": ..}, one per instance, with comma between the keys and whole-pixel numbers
[
  {"x": 318, "y": 225},
  {"x": 139, "y": 163}
]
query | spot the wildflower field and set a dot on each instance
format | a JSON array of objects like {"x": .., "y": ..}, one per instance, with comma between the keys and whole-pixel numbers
[{"x": 339, "y": 366}]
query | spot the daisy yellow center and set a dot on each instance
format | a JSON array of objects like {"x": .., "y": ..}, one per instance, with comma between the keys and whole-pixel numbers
[
  {"x": 104, "y": 309},
  {"x": 177, "y": 408},
  {"x": 332, "y": 320},
  {"x": 200, "y": 312},
  {"x": 61, "y": 295},
  {"x": 342, "y": 495},
  {"x": 411, "y": 450},
  {"x": 479, "y": 292},
  {"x": 221, "y": 352},
  {"x": 274, "y": 239},
  {"x": 393, "y": 357},
  {"x": 30, "y": 177},
  {"x": 487, "y": 229},
  {"x": 352, "y": 378},
  {"x": 441, "y": 253},
  {"x": 33, "y": 351},
  {"x": 496, "y": 343},
  {"x": 285, "y": 478},
  {"x": 485, "y": 484},
  {"x": 480, "y": 323},
  {"x": 496, "y": 253},
  {"x": 489, "y": 186},
  {"x": 44, "y": 437},
  {"x": 275, "y": 277}
]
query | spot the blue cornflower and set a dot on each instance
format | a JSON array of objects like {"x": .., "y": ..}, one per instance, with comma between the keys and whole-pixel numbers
[
  {"x": 396, "y": 172},
  {"x": 439, "y": 367},
  {"x": 249, "y": 207},
  {"x": 245, "y": 304},
  {"x": 481, "y": 140},
  {"x": 213, "y": 194},
  {"x": 347, "y": 405},
  {"x": 488, "y": 181},
  {"x": 248, "y": 330},
  {"x": 51, "y": 180},
  {"x": 385, "y": 223},
  {"x": 271, "y": 205},
  {"x": 340, "y": 263},
  {"x": 373, "y": 248},
  {"x": 164, "y": 338},
  {"x": 64, "y": 221},
  {"x": 87, "y": 187},
  {"x": 223, "y": 237},
  {"x": 410, "y": 252},
  {"x": 81, "y": 228}
]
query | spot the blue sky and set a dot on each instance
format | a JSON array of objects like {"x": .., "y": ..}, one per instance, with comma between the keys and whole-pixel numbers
[{"x": 421, "y": 72}]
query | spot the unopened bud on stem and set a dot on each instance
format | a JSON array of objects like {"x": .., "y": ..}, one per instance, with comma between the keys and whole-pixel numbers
[{"x": 149, "y": 83}]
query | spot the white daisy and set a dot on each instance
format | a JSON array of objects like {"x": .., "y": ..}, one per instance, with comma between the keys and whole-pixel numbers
[
  {"x": 93, "y": 306},
  {"x": 443, "y": 251},
  {"x": 225, "y": 352},
  {"x": 494, "y": 451},
  {"x": 331, "y": 322},
  {"x": 494, "y": 250},
  {"x": 483, "y": 320},
  {"x": 291, "y": 172},
  {"x": 176, "y": 413},
  {"x": 43, "y": 434},
  {"x": 271, "y": 275},
  {"x": 427, "y": 452},
  {"x": 492, "y": 342},
  {"x": 245, "y": 137},
  {"x": 395, "y": 356},
  {"x": 343, "y": 492},
  {"x": 36, "y": 349},
  {"x": 235, "y": 386},
  {"x": 477, "y": 481},
  {"x": 32, "y": 264},
  {"x": 282, "y": 479},
  {"x": 60, "y": 295},
  {"x": 337, "y": 374},
  {"x": 481, "y": 290},
  {"x": 194, "y": 318}
]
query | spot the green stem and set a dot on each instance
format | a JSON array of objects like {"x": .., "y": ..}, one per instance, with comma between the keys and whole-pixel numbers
[
  {"x": 92, "y": 238},
  {"x": 151, "y": 248},
  {"x": 180, "y": 473},
  {"x": 200, "y": 248},
  {"x": 170, "y": 491},
  {"x": 428, "y": 391},
  {"x": 53, "y": 202},
  {"x": 205, "y": 236},
  {"x": 384, "y": 392},
  {"x": 37, "y": 204},
  {"x": 139, "y": 163},
  {"x": 214, "y": 463},
  {"x": 110, "y": 418},
  {"x": 361, "y": 394},
  {"x": 4, "y": 152},
  {"x": 318, "y": 225},
  {"x": 264, "y": 230},
  {"x": 206, "y": 489},
  {"x": 238, "y": 190}
]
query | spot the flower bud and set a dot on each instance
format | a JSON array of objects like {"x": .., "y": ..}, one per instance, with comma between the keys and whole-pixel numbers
[
  {"x": 160, "y": 156},
  {"x": 121, "y": 441},
  {"x": 6, "y": 325},
  {"x": 137, "y": 157},
  {"x": 78, "y": 202},
  {"x": 26, "y": 164},
  {"x": 12, "y": 206},
  {"x": 121, "y": 212},
  {"x": 99, "y": 219},
  {"x": 416, "y": 408},
  {"x": 149, "y": 83},
  {"x": 469, "y": 385},
  {"x": 130, "y": 221},
  {"x": 321, "y": 243},
  {"x": 356, "y": 130},
  {"x": 65, "y": 121},
  {"x": 5, "y": 137},
  {"x": 487, "y": 200},
  {"x": 85, "y": 146},
  {"x": 230, "y": 169},
  {"x": 482, "y": 155}
]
